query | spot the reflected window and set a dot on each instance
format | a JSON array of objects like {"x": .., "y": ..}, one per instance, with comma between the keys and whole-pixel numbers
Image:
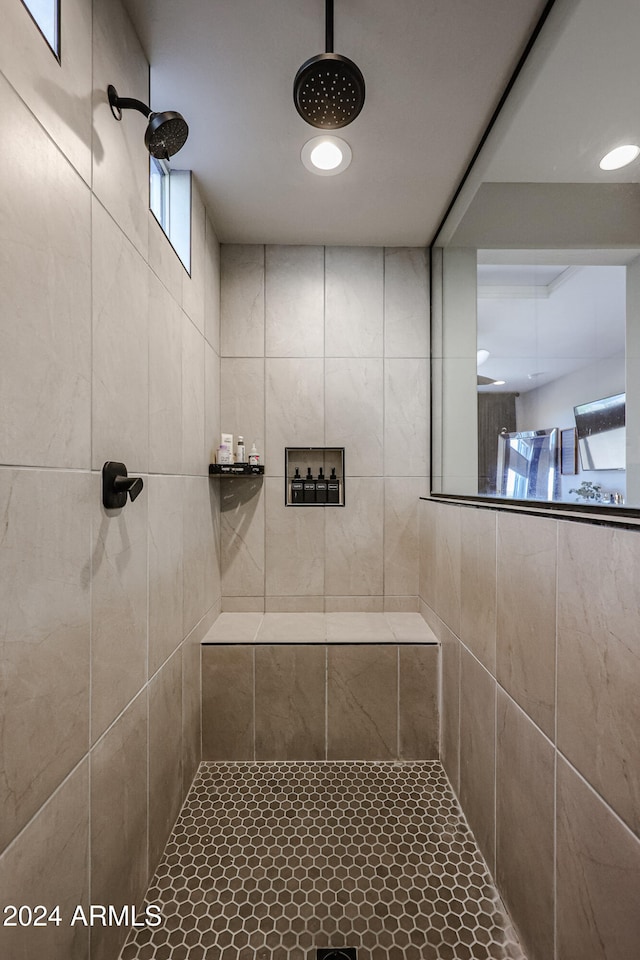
[
  {"x": 170, "y": 203},
  {"x": 46, "y": 14}
]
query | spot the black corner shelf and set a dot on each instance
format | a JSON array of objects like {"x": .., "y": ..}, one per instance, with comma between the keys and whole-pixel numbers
[{"x": 236, "y": 470}]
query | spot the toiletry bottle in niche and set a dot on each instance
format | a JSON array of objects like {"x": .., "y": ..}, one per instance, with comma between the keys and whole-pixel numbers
[
  {"x": 297, "y": 488},
  {"x": 254, "y": 456},
  {"x": 321, "y": 487},
  {"x": 309, "y": 488},
  {"x": 240, "y": 451},
  {"x": 333, "y": 487}
]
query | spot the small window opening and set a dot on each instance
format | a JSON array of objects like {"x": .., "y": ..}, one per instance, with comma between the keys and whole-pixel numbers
[
  {"x": 170, "y": 203},
  {"x": 46, "y": 16}
]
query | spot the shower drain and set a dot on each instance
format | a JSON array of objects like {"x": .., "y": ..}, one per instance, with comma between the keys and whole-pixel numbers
[{"x": 346, "y": 953}]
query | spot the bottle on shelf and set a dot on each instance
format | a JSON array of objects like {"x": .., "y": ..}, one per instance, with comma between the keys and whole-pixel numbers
[
  {"x": 309, "y": 488},
  {"x": 254, "y": 456},
  {"x": 333, "y": 487},
  {"x": 240, "y": 451},
  {"x": 321, "y": 487},
  {"x": 297, "y": 488}
]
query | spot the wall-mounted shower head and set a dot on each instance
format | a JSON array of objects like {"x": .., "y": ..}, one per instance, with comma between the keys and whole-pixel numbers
[{"x": 166, "y": 132}]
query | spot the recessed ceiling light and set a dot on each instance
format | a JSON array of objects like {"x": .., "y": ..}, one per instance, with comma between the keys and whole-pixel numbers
[
  {"x": 499, "y": 383},
  {"x": 483, "y": 356},
  {"x": 620, "y": 157},
  {"x": 326, "y": 156}
]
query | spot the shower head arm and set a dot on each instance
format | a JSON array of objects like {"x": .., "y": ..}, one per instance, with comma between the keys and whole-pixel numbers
[
  {"x": 118, "y": 104},
  {"x": 328, "y": 17}
]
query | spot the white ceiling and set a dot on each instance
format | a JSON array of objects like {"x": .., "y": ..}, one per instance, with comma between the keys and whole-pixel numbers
[
  {"x": 543, "y": 322},
  {"x": 434, "y": 72}
]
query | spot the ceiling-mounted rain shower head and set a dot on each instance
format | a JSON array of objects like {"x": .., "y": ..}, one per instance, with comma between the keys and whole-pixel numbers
[
  {"x": 166, "y": 132},
  {"x": 329, "y": 89}
]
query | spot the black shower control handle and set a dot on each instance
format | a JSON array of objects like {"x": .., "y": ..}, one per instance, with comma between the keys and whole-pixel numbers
[
  {"x": 131, "y": 485},
  {"x": 116, "y": 484}
]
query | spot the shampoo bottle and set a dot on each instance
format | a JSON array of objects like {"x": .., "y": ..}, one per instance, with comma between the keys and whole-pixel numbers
[
  {"x": 254, "y": 456},
  {"x": 309, "y": 488},
  {"x": 297, "y": 488},
  {"x": 321, "y": 487},
  {"x": 333, "y": 487}
]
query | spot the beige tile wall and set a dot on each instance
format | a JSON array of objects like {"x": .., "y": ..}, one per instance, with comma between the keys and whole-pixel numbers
[
  {"x": 316, "y": 701},
  {"x": 110, "y": 350},
  {"x": 325, "y": 346},
  {"x": 538, "y": 620}
]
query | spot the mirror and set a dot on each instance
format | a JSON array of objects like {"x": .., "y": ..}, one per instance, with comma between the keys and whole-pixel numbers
[{"x": 536, "y": 281}]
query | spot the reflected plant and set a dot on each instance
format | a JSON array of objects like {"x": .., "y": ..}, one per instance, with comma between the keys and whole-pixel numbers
[{"x": 588, "y": 490}]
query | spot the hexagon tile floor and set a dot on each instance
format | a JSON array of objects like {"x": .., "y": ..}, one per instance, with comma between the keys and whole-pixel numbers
[{"x": 269, "y": 861}]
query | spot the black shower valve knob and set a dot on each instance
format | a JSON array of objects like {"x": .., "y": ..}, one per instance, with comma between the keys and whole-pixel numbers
[{"x": 116, "y": 484}]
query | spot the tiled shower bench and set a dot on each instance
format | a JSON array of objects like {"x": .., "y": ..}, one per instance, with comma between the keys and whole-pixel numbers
[{"x": 316, "y": 686}]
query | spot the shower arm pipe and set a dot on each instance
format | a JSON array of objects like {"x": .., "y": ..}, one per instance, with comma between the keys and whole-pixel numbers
[
  {"x": 328, "y": 33},
  {"x": 126, "y": 103}
]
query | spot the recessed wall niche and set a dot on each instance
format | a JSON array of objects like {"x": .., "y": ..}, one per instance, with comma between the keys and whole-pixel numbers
[{"x": 314, "y": 476}]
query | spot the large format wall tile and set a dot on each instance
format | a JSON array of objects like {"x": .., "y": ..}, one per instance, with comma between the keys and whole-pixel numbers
[
  {"x": 294, "y": 400},
  {"x": 406, "y": 420},
  {"x": 227, "y": 702},
  {"x": 290, "y": 702},
  {"x": 598, "y": 876},
  {"x": 354, "y": 413},
  {"x": 45, "y": 284},
  {"x": 44, "y": 630},
  {"x": 120, "y": 159},
  {"x": 354, "y": 301},
  {"x": 418, "y": 719},
  {"x": 242, "y": 401},
  {"x": 362, "y": 702},
  {"x": 165, "y": 380},
  {"x": 525, "y": 827},
  {"x": 401, "y": 536},
  {"x": 450, "y": 716},
  {"x": 119, "y": 858},
  {"x": 165, "y": 755},
  {"x": 599, "y": 662},
  {"x": 354, "y": 541},
  {"x": 165, "y": 568},
  {"x": 294, "y": 546},
  {"x": 212, "y": 422},
  {"x": 294, "y": 294},
  {"x": 193, "y": 283},
  {"x": 242, "y": 537},
  {"x": 49, "y": 866},
  {"x": 191, "y": 708},
  {"x": 212, "y": 287},
  {"x": 118, "y": 607},
  {"x": 427, "y": 565},
  {"x": 477, "y": 752},
  {"x": 195, "y": 460},
  {"x": 120, "y": 347},
  {"x": 406, "y": 302},
  {"x": 242, "y": 300},
  {"x": 447, "y": 551},
  {"x": 58, "y": 92},
  {"x": 526, "y": 614},
  {"x": 478, "y": 585},
  {"x": 164, "y": 261},
  {"x": 199, "y": 551}
]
